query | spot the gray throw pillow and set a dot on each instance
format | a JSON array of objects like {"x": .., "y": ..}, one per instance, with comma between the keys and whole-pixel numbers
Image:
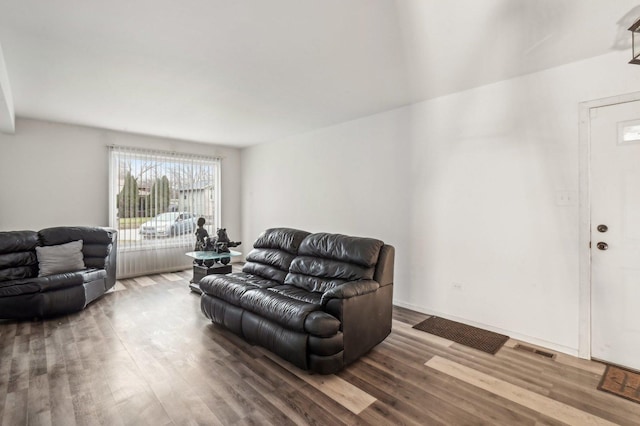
[{"x": 62, "y": 258}]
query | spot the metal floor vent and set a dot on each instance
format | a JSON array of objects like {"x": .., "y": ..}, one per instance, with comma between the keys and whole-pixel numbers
[{"x": 534, "y": 351}]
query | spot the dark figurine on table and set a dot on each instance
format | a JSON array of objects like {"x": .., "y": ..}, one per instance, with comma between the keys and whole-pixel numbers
[
  {"x": 221, "y": 244},
  {"x": 202, "y": 239},
  {"x": 201, "y": 235}
]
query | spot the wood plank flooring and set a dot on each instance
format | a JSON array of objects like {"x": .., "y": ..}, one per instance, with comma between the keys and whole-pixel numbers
[{"x": 145, "y": 354}]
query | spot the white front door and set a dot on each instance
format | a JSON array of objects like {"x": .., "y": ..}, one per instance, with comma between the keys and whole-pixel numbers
[{"x": 615, "y": 234}]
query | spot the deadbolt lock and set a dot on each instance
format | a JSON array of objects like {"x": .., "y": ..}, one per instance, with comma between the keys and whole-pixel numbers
[{"x": 603, "y": 228}]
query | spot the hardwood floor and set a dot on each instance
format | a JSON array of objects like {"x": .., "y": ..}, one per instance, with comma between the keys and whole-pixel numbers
[{"x": 145, "y": 354}]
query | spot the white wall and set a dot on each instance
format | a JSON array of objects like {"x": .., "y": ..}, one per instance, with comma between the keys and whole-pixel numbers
[
  {"x": 465, "y": 187},
  {"x": 7, "y": 113},
  {"x": 55, "y": 174}
]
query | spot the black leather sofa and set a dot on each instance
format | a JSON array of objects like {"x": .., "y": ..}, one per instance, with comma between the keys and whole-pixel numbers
[
  {"x": 320, "y": 301},
  {"x": 26, "y": 295}
]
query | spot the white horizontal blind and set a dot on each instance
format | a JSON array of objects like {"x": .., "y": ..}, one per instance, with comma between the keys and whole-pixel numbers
[{"x": 155, "y": 200}]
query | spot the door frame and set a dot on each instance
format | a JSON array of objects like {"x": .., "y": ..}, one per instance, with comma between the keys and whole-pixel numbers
[{"x": 584, "y": 255}]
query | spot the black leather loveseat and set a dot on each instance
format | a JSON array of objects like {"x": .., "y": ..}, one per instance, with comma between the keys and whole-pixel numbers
[
  {"x": 54, "y": 271},
  {"x": 319, "y": 300}
]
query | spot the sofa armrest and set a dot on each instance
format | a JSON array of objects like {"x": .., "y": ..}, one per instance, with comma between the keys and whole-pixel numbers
[
  {"x": 110, "y": 261},
  {"x": 350, "y": 289}
]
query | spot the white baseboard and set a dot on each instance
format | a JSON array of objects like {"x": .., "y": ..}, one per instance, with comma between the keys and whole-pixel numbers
[{"x": 511, "y": 333}]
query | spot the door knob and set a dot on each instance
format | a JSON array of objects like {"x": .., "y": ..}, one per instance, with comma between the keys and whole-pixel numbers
[
  {"x": 602, "y": 246},
  {"x": 603, "y": 228}
]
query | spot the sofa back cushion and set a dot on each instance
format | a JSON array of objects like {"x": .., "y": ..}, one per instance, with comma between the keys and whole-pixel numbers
[
  {"x": 96, "y": 242},
  {"x": 325, "y": 261},
  {"x": 18, "y": 255},
  {"x": 273, "y": 252}
]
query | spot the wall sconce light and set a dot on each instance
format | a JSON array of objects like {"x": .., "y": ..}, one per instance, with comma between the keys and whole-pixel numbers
[{"x": 635, "y": 44}]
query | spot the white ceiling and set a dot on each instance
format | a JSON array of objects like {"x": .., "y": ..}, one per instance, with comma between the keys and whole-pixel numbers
[{"x": 241, "y": 72}]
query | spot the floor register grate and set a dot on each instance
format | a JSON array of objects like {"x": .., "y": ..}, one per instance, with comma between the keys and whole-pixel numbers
[{"x": 540, "y": 352}]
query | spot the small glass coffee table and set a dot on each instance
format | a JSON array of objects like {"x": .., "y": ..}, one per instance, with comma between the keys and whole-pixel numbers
[{"x": 207, "y": 263}]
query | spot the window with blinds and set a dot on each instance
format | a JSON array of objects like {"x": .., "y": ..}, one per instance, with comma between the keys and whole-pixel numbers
[{"x": 156, "y": 199}]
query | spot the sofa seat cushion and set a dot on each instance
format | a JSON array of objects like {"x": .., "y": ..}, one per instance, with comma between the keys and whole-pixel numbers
[
  {"x": 298, "y": 294},
  {"x": 231, "y": 287},
  {"x": 18, "y": 287},
  {"x": 226, "y": 289},
  {"x": 254, "y": 280},
  {"x": 40, "y": 284},
  {"x": 283, "y": 310},
  {"x": 93, "y": 274}
]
